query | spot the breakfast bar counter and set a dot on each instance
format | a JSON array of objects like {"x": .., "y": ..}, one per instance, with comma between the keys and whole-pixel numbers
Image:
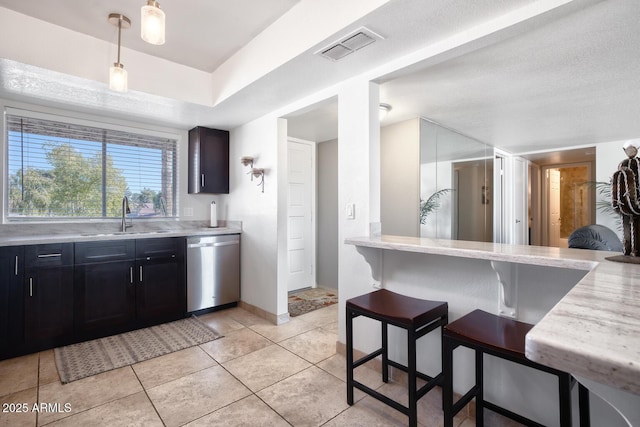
[{"x": 593, "y": 332}]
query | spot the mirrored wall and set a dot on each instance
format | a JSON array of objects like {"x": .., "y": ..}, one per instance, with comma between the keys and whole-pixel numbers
[{"x": 456, "y": 185}]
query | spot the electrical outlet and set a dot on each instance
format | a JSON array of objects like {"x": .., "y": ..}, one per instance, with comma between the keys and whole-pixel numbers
[{"x": 188, "y": 211}]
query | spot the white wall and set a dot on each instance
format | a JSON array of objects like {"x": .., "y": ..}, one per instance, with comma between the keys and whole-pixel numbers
[
  {"x": 608, "y": 156},
  {"x": 358, "y": 183},
  {"x": 327, "y": 224},
  {"x": 257, "y": 210},
  {"x": 400, "y": 178}
]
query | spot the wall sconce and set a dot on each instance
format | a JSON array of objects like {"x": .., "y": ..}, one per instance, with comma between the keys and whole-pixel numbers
[
  {"x": 258, "y": 173},
  {"x": 152, "y": 23},
  {"x": 254, "y": 172},
  {"x": 246, "y": 161},
  {"x": 117, "y": 73}
]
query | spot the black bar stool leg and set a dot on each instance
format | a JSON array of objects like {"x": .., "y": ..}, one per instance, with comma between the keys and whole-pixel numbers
[
  {"x": 411, "y": 374},
  {"x": 480, "y": 386},
  {"x": 564, "y": 388},
  {"x": 447, "y": 384},
  {"x": 385, "y": 354},
  {"x": 349, "y": 322},
  {"x": 583, "y": 402}
]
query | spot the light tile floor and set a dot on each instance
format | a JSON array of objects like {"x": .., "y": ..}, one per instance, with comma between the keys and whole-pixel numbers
[{"x": 258, "y": 374}]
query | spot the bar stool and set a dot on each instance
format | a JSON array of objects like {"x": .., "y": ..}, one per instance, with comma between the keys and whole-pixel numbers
[
  {"x": 418, "y": 317},
  {"x": 504, "y": 338}
]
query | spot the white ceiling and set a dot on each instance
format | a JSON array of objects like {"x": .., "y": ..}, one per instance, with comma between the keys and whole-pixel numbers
[
  {"x": 566, "y": 77},
  {"x": 199, "y": 33},
  {"x": 573, "y": 81}
]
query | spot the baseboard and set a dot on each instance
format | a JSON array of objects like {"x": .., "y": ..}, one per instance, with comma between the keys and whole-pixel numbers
[{"x": 273, "y": 318}]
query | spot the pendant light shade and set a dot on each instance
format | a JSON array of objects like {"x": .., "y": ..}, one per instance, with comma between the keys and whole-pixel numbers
[
  {"x": 118, "y": 78},
  {"x": 117, "y": 73},
  {"x": 153, "y": 20}
]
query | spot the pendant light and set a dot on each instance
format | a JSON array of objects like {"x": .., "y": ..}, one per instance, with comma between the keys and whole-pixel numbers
[
  {"x": 152, "y": 25},
  {"x": 117, "y": 73}
]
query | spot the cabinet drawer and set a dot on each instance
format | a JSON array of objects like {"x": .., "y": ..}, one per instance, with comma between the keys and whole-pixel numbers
[
  {"x": 167, "y": 247},
  {"x": 48, "y": 255},
  {"x": 104, "y": 251}
]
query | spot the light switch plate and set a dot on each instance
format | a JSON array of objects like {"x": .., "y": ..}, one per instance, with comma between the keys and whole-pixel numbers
[{"x": 351, "y": 211}]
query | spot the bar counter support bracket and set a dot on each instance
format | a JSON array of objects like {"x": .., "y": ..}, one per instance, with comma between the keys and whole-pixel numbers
[{"x": 508, "y": 296}]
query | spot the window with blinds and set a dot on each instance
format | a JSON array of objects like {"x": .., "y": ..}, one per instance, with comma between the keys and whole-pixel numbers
[{"x": 58, "y": 170}]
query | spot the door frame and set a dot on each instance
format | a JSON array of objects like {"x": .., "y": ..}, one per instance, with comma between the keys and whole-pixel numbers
[{"x": 314, "y": 226}]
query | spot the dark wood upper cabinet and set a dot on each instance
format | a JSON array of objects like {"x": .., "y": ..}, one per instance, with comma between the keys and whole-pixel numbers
[{"x": 208, "y": 161}]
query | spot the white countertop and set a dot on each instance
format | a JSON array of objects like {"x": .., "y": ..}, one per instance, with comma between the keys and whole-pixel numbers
[
  {"x": 593, "y": 332},
  {"x": 36, "y": 239}
]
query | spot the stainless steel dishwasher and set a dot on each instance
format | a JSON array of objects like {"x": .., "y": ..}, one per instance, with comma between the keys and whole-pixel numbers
[{"x": 213, "y": 271}]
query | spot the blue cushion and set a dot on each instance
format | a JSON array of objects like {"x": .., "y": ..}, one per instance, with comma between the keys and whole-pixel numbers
[{"x": 596, "y": 237}]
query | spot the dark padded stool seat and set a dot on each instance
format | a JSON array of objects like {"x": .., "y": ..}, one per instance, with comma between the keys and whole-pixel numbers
[
  {"x": 503, "y": 338},
  {"x": 418, "y": 317},
  {"x": 398, "y": 309}
]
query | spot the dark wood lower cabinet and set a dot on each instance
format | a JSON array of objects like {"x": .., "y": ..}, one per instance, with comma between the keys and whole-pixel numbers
[
  {"x": 57, "y": 294},
  {"x": 104, "y": 298},
  {"x": 48, "y": 296},
  {"x": 11, "y": 299},
  {"x": 160, "y": 292},
  {"x": 127, "y": 284}
]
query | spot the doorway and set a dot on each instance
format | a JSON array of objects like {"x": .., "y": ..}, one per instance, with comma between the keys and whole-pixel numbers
[
  {"x": 300, "y": 206},
  {"x": 317, "y": 125},
  {"x": 569, "y": 201}
]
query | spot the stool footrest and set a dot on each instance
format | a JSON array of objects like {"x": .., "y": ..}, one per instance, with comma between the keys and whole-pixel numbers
[
  {"x": 366, "y": 358},
  {"x": 462, "y": 402},
  {"x": 507, "y": 413},
  {"x": 437, "y": 380},
  {"x": 381, "y": 397}
]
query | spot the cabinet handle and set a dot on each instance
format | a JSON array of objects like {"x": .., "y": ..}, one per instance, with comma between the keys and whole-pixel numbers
[
  {"x": 131, "y": 274},
  {"x": 30, "y": 286},
  {"x": 140, "y": 273},
  {"x": 49, "y": 255},
  {"x": 201, "y": 180},
  {"x": 16, "y": 267}
]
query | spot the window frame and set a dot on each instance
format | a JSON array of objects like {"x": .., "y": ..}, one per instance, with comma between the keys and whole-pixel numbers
[{"x": 79, "y": 119}]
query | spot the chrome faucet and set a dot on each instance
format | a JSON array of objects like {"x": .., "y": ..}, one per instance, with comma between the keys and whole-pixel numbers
[{"x": 125, "y": 211}]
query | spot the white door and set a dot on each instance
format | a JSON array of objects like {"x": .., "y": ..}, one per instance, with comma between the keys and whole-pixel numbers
[
  {"x": 554, "y": 207},
  {"x": 300, "y": 236}
]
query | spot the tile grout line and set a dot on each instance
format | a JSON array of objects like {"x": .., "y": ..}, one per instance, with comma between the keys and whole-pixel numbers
[{"x": 148, "y": 397}]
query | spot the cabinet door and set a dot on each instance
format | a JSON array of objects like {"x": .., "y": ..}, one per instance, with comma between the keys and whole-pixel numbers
[
  {"x": 11, "y": 299},
  {"x": 208, "y": 161},
  {"x": 48, "y": 295},
  {"x": 161, "y": 290},
  {"x": 48, "y": 306},
  {"x": 104, "y": 287},
  {"x": 104, "y": 298}
]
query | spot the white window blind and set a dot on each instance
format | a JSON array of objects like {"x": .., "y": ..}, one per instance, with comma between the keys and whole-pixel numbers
[{"x": 69, "y": 170}]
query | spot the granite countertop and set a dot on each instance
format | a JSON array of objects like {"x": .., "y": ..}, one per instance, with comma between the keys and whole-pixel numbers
[
  {"x": 592, "y": 332},
  {"x": 33, "y": 234}
]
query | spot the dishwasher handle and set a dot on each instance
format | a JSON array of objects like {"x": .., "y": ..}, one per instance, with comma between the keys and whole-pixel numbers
[{"x": 213, "y": 244}]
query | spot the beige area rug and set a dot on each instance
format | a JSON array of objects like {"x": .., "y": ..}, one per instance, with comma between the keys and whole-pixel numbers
[
  {"x": 89, "y": 358},
  {"x": 307, "y": 300}
]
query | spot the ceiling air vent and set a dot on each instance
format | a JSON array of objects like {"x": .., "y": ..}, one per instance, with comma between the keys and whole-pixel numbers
[{"x": 356, "y": 40}]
